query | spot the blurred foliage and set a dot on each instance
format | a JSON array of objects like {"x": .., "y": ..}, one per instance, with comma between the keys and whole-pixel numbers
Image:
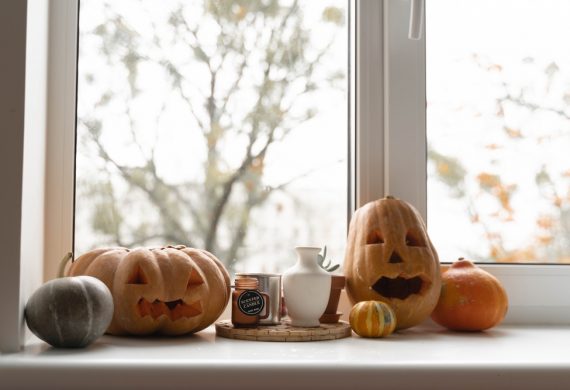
[
  {"x": 334, "y": 15},
  {"x": 474, "y": 187},
  {"x": 258, "y": 49},
  {"x": 450, "y": 171},
  {"x": 106, "y": 218}
]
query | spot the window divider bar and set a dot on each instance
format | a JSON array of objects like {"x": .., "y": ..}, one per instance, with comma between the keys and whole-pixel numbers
[
  {"x": 391, "y": 149},
  {"x": 390, "y": 111},
  {"x": 60, "y": 155},
  {"x": 369, "y": 102},
  {"x": 405, "y": 145}
]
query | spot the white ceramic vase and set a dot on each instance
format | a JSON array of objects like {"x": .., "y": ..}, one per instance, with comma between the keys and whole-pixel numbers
[{"x": 306, "y": 288}]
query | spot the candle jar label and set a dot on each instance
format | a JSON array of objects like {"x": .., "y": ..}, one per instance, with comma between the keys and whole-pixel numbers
[{"x": 250, "y": 302}]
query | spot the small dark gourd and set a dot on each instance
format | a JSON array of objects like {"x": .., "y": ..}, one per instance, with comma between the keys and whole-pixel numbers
[{"x": 70, "y": 312}]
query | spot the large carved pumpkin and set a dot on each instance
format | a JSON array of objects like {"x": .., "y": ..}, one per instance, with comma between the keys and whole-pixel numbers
[
  {"x": 172, "y": 290},
  {"x": 390, "y": 258}
]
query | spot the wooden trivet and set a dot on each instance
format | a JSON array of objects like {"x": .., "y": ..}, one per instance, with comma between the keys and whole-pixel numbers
[{"x": 284, "y": 332}]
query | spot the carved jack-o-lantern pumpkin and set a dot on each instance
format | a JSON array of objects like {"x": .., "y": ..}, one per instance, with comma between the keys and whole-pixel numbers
[
  {"x": 172, "y": 290},
  {"x": 389, "y": 257}
]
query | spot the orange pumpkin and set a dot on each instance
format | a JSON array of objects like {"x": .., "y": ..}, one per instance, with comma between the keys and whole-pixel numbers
[
  {"x": 390, "y": 258},
  {"x": 471, "y": 298},
  {"x": 171, "y": 290},
  {"x": 372, "y": 319}
]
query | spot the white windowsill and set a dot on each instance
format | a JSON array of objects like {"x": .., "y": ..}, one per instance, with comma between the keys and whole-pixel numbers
[{"x": 423, "y": 357}]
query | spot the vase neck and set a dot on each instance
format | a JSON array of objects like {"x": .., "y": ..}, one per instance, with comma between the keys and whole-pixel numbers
[{"x": 308, "y": 255}]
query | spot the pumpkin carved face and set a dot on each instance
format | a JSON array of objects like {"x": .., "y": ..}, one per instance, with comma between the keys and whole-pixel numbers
[
  {"x": 172, "y": 290},
  {"x": 389, "y": 257}
]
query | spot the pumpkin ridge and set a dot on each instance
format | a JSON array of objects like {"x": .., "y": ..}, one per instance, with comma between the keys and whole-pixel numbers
[{"x": 89, "y": 307}]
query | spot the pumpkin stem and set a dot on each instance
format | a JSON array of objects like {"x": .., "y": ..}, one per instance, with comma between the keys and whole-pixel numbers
[
  {"x": 462, "y": 262},
  {"x": 61, "y": 272},
  {"x": 390, "y": 197}
]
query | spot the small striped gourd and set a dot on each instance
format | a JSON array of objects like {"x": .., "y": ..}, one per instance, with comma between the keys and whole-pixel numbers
[{"x": 372, "y": 319}]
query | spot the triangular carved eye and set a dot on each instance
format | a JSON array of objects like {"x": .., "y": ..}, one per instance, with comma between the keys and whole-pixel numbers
[
  {"x": 395, "y": 258},
  {"x": 195, "y": 279},
  {"x": 138, "y": 276},
  {"x": 414, "y": 239},
  {"x": 375, "y": 237}
]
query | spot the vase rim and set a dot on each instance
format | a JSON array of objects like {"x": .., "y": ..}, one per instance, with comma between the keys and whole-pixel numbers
[
  {"x": 308, "y": 247},
  {"x": 261, "y": 274}
]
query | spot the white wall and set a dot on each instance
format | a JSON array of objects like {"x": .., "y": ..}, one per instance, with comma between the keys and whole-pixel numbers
[
  {"x": 12, "y": 80},
  {"x": 22, "y": 159}
]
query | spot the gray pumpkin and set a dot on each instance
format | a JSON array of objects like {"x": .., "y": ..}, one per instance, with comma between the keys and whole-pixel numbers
[{"x": 70, "y": 312}]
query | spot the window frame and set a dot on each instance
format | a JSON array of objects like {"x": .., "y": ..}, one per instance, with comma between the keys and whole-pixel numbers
[
  {"x": 388, "y": 141},
  {"x": 61, "y": 122},
  {"x": 536, "y": 292}
]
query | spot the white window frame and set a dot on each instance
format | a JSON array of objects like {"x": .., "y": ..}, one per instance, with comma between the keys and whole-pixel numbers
[
  {"x": 389, "y": 141},
  {"x": 391, "y": 148},
  {"x": 23, "y": 120},
  {"x": 388, "y": 108},
  {"x": 61, "y": 120}
]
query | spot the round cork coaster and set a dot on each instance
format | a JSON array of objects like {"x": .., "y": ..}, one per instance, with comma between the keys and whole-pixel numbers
[{"x": 284, "y": 332}]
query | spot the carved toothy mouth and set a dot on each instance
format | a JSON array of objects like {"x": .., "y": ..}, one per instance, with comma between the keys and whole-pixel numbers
[
  {"x": 400, "y": 287},
  {"x": 172, "y": 309}
]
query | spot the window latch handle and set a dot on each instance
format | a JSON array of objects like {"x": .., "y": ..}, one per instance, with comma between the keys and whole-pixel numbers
[{"x": 416, "y": 19}]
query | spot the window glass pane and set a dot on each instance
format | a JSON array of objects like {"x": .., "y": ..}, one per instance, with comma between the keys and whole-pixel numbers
[
  {"x": 498, "y": 128},
  {"x": 216, "y": 124}
]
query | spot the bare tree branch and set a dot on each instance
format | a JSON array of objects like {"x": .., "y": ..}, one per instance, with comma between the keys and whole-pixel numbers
[
  {"x": 228, "y": 186},
  {"x": 240, "y": 231},
  {"x": 532, "y": 106},
  {"x": 171, "y": 220},
  {"x": 265, "y": 122},
  {"x": 177, "y": 78}
]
